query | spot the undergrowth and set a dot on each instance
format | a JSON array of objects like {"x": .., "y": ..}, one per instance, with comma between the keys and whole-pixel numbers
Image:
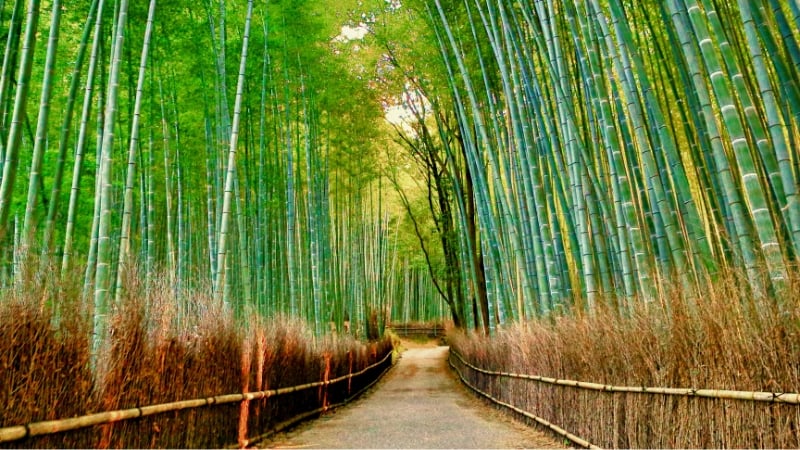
[
  {"x": 716, "y": 338},
  {"x": 156, "y": 352}
]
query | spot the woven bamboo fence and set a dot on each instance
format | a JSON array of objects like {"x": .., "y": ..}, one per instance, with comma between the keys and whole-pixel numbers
[
  {"x": 784, "y": 398},
  {"x": 411, "y": 330},
  {"x": 18, "y": 432},
  {"x": 772, "y": 397}
]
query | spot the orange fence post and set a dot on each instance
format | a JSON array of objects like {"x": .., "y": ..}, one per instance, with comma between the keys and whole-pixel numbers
[
  {"x": 244, "y": 406},
  {"x": 325, "y": 380},
  {"x": 349, "y": 371}
]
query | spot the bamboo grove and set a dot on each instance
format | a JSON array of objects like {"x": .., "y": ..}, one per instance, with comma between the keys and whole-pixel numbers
[
  {"x": 613, "y": 148},
  {"x": 591, "y": 152},
  {"x": 153, "y": 156}
]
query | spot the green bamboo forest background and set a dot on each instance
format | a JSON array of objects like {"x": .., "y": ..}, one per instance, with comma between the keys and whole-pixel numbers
[
  {"x": 557, "y": 155},
  {"x": 210, "y": 164}
]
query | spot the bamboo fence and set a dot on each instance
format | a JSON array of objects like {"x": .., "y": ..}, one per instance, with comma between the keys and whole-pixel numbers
[
  {"x": 300, "y": 417},
  {"x": 770, "y": 397},
  {"x": 405, "y": 330},
  {"x": 555, "y": 428},
  {"x": 14, "y": 433}
]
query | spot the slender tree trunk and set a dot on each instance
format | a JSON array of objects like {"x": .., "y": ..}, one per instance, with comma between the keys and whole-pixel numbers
[{"x": 171, "y": 254}]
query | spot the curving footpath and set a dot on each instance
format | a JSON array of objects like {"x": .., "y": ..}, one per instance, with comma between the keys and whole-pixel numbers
[{"x": 420, "y": 404}]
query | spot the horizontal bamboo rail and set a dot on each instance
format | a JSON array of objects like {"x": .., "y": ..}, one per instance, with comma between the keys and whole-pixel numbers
[
  {"x": 14, "y": 433},
  {"x": 555, "y": 428},
  {"x": 401, "y": 329},
  {"x": 770, "y": 397}
]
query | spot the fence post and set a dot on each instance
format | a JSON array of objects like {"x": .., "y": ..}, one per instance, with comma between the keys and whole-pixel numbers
[
  {"x": 105, "y": 436},
  {"x": 349, "y": 371},
  {"x": 325, "y": 379},
  {"x": 108, "y": 428},
  {"x": 244, "y": 406}
]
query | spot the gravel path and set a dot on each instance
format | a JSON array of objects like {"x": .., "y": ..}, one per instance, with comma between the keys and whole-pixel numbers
[{"x": 419, "y": 404}]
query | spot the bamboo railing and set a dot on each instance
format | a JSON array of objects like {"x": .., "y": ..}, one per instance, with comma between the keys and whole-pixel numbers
[
  {"x": 288, "y": 423},
  {"x": 405, "y": 330},
  {"x": 14, "y": 433},
  {"x": 544, "y": 422},
  {"x": 770, "y": 397}
]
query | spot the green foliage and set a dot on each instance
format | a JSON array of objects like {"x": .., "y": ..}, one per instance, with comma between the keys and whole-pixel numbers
[{"x": 306, "y": 216}]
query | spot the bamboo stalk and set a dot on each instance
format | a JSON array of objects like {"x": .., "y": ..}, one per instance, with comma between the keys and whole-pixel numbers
[
  {"x": 14, "y": 138},
  {"x": 80, "y": 145},
  {"x": 63, "y": 142},
  {"x": 125, "y": 238},
  {"x": 103, "y": 267},
  {"x": 39, "y": 144},
  {"x": 219, "y": 283}
]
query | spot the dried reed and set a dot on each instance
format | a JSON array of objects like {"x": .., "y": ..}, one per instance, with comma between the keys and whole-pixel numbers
[
  {"x": 723, "y": 339},
  {"x": 158, "y": 353}
]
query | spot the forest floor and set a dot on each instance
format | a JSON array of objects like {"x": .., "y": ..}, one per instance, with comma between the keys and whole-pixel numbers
[{"x": 420, "y": 403}]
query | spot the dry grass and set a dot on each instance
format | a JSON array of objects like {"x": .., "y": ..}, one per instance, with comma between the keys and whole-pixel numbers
[
  {"x": 723, "y": 340},
  {"x": 44, "y": 357},
  {"x": 158, "y": 353}
]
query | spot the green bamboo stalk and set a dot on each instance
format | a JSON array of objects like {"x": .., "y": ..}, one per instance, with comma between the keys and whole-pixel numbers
[
  {"x": 242, "y": 239},
  {"x": 730, "y": 192},
  {"x": 219, "y": 282},
  {"x": 663, "y": 208},
  {"x": 11, "y": 159},
  {"x": 9, "y": 61},
  {"x": 751, "y": 185},
  {"x": 628, "y": 229},
  {"x": 103, "y": 270},
  {"x": 63, "y": 142},
  {"x": 150, "y": 257},
  {"x": 180, "y": 222},
  {"x": 133, "y": 149},
  {"x": 501, "y": 265},
  {"x": 765, "y": 155},
  {"x": 80, "y": 146},
  {"x": 39, "y": 143},
  {"x": 777, "y": 129},
  {"x": 528, "y": 168},
  {"x": 91, "y": 259},
  {"x": 168, "y": 196}
]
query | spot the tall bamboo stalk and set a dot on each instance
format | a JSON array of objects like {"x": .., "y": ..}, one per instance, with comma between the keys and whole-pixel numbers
[
  {"x": 11, "y": 156},
  {"x": 222, "y": 239},
  {"x": 133, "y": 149},
  {"x": 103, "y": 271},
  {"x": 39, "y": 143}
]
